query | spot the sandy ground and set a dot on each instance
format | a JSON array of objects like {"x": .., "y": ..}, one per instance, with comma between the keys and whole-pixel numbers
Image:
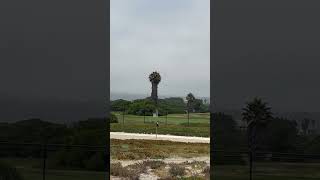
[
  {"x": 176, "y": 160},
  {"x": 186, "y": 139},
  {"x": 151, "y": 176}
]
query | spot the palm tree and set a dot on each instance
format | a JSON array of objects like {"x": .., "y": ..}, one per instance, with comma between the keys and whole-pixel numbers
[
  {"x": 256, "y": 114},
  {"x": 155, "y": 79},
  {"x": 190, "y": 100}
]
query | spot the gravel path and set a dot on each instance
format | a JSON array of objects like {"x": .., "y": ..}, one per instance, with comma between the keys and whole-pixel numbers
[{"x": 187, "y": 139}]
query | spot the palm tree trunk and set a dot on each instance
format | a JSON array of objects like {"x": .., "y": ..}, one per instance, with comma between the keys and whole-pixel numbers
[
  {"x": 252, "y": 146},
  {"x": 154, "y": 96}
]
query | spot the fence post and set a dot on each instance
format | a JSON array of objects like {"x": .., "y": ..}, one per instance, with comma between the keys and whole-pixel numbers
[
  {"x": 123, "y": 117},
  {"x": 144, "y": 116},
  {"x": 188, "y": 119},
  {"x": 251, "y": 163},
  {"x": 166, "y": 118},
  {"x": 157, "y": 129},
  {"x": 44, "y": 149},
  {"x": 252, "y": 146}
]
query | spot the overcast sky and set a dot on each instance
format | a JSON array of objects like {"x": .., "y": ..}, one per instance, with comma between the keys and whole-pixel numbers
[
  {"x": 268, "y": 49},
  {"x": 169, "y": 36},
  {"x": 53, "y": 62}
]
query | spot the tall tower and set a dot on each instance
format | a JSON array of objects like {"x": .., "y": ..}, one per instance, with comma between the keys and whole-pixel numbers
[{"x": 155, "y": 79}]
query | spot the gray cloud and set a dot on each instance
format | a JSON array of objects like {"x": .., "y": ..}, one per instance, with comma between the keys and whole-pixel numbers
[
  {"x": 268, "y": 49},
  {"x": 52, "y": 60},
  {"x": 172, "y": 37}
]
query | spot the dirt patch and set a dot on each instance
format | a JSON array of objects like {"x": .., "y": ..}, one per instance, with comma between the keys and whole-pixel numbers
[
  {"x": 168, "y": 168},
  {"x": 176, "y": 160}
]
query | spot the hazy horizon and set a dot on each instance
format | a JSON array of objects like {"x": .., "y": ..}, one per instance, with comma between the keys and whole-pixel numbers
[{"x": 132, "y": 96}]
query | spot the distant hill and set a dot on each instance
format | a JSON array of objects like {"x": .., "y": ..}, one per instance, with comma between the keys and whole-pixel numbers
[
  {"x": 126, "y": 96},
  {"x": 130, "y": 97}
]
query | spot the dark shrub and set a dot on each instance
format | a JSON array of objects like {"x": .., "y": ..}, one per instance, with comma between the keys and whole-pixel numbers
[
  {"x": 177, "y": 170},
  {"x": 120, "y": 105},
  {"x": 113, "y": 119},
  {"x": 8, "y": 172},
  {"x": 96, "y": 162},
  {"x": 116, "y": 169},
  {"x": 154, "y": 164},
  {"x": 206, "y": 171}
]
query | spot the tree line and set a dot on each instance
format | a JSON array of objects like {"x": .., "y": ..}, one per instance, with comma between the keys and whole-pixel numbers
[
  {"x": 91, "y": 132},
  {"x": 173, "y": 105},
  {"x": 263, "y": 132}
]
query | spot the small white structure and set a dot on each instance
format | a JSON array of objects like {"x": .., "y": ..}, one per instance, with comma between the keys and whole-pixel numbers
[{"x": 156, "y": 114}]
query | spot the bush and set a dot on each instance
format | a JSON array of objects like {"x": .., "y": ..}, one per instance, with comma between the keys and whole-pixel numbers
[
  {"x": 138, "y": 168},
  {"x": 120, "y": 105},
  {"x": 195, "y": 163},
  {"x": 116, "y": 169},
  {"x": 78, "y": 160},
  {"x": 177, "y": 170},
  {"x": 227, "y": 137},
  {"x": 154, "y": 164},
  {"x": 206, "y": 172},
  {"x": 146, "y": 106},
  {"x": 96, "y": 162},
  {"x": 228, "y": 158},
  {"x": 8, "y": 172},
  {"x": 172, "y": 105},
  {"x": 113, "y": 119},
  {"x": 142, "y": 107}
]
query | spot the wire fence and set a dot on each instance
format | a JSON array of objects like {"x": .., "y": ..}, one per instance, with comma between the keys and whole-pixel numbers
[
  {"x": 194, "y": 124},
  {"x": 265, "y": 165},
  {"x": 40, "y": 161},
  {"x": 37, "y": 161}
]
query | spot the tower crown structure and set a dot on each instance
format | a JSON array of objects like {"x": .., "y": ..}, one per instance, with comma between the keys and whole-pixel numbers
[{"x": 155, "y": 79}]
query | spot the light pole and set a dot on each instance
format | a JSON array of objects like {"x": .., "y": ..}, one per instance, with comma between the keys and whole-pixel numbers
[
  {"x": 157, "y": 125},
  {"x": 188, "y": 118}
]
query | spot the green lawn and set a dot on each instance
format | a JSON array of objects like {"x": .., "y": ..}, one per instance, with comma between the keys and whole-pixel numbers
[
  {"x": 269, "y": 171},
  {"x": 175, "y": 124},
  {"x": 31, "y": 169},
  {"x": 36, "y": 174}
]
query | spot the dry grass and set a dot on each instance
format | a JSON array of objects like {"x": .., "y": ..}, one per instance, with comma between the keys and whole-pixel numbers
[
  {"x": 206, "y": 172},
  {"x": 154, "y": 164},
  {"x": 131, "y": 172},
  {"x": 177, "y": 170},
  {"x": 171, "y": 171},
  {"x": 196, "y": 163},
  {"x": 144, "y": 149}
]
